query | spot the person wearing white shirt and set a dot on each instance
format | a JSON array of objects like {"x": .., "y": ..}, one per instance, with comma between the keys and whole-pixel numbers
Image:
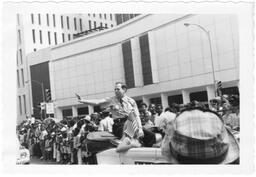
[{"x": 106, "y": 124}]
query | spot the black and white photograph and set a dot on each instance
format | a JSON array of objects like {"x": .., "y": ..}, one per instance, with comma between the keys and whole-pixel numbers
[{"x": 98, "y": 87}]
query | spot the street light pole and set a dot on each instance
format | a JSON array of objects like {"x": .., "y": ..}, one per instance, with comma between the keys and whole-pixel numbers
[{"x": 210, "y": 44}]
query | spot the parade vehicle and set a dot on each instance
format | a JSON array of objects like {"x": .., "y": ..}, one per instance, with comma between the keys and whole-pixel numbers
[
  {"x": 102, "y": 146},
  {"x": 22, "y": 154}
]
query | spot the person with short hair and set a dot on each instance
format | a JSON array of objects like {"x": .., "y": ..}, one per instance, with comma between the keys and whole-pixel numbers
[{"x": 106, "y": 124}]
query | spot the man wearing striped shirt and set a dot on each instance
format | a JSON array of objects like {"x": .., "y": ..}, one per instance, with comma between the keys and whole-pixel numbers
[{"x": 124, "y": 111}]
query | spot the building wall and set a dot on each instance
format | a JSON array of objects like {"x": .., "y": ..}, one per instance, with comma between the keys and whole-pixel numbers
[{"x": 179, "y": 59}]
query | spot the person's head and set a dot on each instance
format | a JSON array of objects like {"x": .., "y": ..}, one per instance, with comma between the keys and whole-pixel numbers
[
  {"x": 159, "y": 108},
  {"x": 143, "y": 107},
  {"x": 120, "y": 89},
  {"x": 152, "y": 108},
  {"x": 105, "y": 113}
]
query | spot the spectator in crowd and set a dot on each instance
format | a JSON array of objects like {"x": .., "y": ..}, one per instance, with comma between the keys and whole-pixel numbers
[
  {"x": 159, "y": 115},
  {"x": 145, "y": 116},
  {"x": 106, "y": 124},
  {"x": 152, "y": 110}
]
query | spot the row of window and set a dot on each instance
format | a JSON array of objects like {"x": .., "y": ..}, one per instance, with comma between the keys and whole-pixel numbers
[
  {"x": 75, "y": 20},
  {"x": 22, "y": 78},
  {"x": 100, "y": 16},
  {"x": 49, "y": 37},
  {"x": 95, "y": 24},
  {"x": 24, "y": 103}
]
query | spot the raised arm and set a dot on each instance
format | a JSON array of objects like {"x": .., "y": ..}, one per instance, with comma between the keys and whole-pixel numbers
[{"x": 92, "y": 101}]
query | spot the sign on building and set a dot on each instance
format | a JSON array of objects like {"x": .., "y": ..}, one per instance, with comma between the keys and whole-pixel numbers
[{"x": 49, "y": 108}]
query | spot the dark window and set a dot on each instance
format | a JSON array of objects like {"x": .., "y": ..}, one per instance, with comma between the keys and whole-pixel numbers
[
  {"x": 230, "y": 91},
  {"x": 83, "y": 111},
  {"x": 40, "y": 35},
  {"x": 89, "y": 15},
  {"x": 68, "y": 22},
  {"x": 55, "y": 38},
  {"x": 66, "y": 113},
  {"x": 33, "y": 35},
  {"x": 90, "y": 24},
  {"x": 105, "y": 16},
  {"x": 18, "y": 78},
  {"x": 94, "y": 24},
  {"x": 19, "y": 36},
  {"x": 39, "y": 19},
  {"x": 20, "y": 105},
  {"x": 128, "y": 64},
  {"x": 75, "y": 23},
  {"x": 63, "y": 37},
  {"x": 145, "y": 60},
  {"x": 21, "y": 59},
  {"x": 131, "y": 15},
  {"x": 69, "y": 37},
  {"x": 54, "y": 23},
  {"x": 100, "y": 24},
  {"x": 156, "y": 101},
  {"x": 119, "y": 19},
  {"x": 138, "y": 102},
  {"x": 111, "y": 17},
  {"x": 32, "y": 18},
  {"x": 111, "y": 25},
  {"x": 17, "y": 59},
  {"x": 96, "y": 109},
  {"x": 61, "y": 19},
  {"x": 81, "y": 27},
  {"x": 49, "y": 37},
  {"x": 106, "y": 25},
  {"x": 175, "y": 99},
  {"x": 25, "y": 105},
  {"x": 93, "y": 15},
  {"x": 22, "y": 77},
  {"x": 34, "y": 49},
  {"x": 100, "y": 16},
  {"x": 126, "y": 17},
  {"x": 47, "y": 18},
  {"x": 199, "y": 96}
]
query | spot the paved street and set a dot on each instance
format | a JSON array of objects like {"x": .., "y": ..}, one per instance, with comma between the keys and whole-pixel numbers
[{"x": 37, "y": 161}]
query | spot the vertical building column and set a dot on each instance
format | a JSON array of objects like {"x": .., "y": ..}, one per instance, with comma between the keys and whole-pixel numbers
[
  {"x": 145, "y": 100},
  {"x": 91, "y": 109},
  {"x": 185, "y": 96},
  {"x": 153, "y": 58},
  {"x": 74, "y": 111},
  {"x": 135, "y": 46},
  {"x": 58, "y": 114},
  {"x": 164, "y": 99},
  {"x": 210, "y": 92}
]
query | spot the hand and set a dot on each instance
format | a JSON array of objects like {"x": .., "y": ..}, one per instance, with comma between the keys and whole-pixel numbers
[
  {"x": 140, "y": 133},
  {"x": 78, "y": 96}
]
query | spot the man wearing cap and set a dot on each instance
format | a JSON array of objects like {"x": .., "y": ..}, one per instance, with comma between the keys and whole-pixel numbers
[{"x": 199, "y": 136}]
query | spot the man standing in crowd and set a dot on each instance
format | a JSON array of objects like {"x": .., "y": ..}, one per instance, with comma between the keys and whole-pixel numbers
[
  {"x": 106, "y": 124},
  {"x": 120, "y": 107},
  {"x": 159, "y": 115}
]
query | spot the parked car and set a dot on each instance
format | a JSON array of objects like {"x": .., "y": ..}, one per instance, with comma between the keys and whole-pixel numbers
[{"x": 22, "y": 154}]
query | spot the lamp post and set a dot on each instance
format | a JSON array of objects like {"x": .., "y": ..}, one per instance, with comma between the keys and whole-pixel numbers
[
  {"x": 42, "y": 90},
  {"x": 209, "y": 39}
]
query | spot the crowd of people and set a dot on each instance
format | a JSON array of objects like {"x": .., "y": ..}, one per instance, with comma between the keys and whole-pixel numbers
[{"x": 65, "y": 141}]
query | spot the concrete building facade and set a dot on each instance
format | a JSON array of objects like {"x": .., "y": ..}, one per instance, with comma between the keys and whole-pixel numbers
[
  {"x": 160, "y": 59},
  {"x": 36, "y": 31}
]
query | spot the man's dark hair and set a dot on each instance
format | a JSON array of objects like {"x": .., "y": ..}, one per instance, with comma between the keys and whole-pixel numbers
[
  {"x": 143, "y": 104},
  {"x": 123, "y": 85}
]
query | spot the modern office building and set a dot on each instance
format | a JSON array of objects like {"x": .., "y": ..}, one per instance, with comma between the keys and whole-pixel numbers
[
  {"x": 157, "y": 56},
  {"x": 40, "y": 30}
]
